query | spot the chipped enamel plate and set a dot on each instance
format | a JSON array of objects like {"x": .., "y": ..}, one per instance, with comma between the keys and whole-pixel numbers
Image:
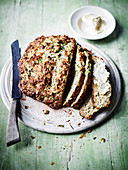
[
  {"x": 82, "y": 30},
  {"x": 65, "y": 120}
]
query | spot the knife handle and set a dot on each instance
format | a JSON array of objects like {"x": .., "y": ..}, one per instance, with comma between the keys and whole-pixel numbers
[{"x": 13, "y": 135}]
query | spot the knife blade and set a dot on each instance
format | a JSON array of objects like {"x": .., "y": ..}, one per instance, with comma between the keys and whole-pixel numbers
[{"x": 13, "y": 135}]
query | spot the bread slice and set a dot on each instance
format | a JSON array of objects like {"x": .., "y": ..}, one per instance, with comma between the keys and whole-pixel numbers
[
  {"x": 76, "y": 104},
  {"x": 87, "y": 110},
  {"x": 44, "y": 68},
  {"x": 101, "y": 87},
  {"x": 78, "y": 78},
  {"x": 99, "y": 95}
]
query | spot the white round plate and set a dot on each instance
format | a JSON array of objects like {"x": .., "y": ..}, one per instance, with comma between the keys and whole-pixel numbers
[
  {"x": 103, "y": 13},
  {"x": 65, "y": 120}
]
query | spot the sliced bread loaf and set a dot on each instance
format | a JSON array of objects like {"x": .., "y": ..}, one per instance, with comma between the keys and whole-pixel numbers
[
  {"x": 78, "y": 78},
  {"x": 101, "y": 87},
  {"x": 99, "y": 95},
  {"x": 87, "y": 79}
]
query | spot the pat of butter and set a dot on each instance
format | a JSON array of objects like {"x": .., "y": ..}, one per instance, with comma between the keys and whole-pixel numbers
[
  {"x": 95, "y": 23},
  {"x": 87, "y": 19}
]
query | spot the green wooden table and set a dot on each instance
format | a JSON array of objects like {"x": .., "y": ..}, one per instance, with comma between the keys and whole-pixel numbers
[{"x": 25, "y": 19}]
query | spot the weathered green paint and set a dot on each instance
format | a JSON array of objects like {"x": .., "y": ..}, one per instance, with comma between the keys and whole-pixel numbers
[{"x": 24, "y": 20}]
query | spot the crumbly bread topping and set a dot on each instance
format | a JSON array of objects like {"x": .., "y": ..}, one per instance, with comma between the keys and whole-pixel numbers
[
  {"x": 44, "y": 68},
  {"x": 79, "y": 77}
]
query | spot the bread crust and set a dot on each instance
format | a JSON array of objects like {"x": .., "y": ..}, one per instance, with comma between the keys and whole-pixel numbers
[
  {"x": 78, "y": 78},
  {"x": 93, "y": 102},
  {"x": 87, "y": 110},
  {"x": 44, "y": 68},
  {"x": 76, "y": 104}
]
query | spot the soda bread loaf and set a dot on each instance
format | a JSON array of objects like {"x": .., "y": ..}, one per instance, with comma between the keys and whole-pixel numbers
[
  {"x": 44, "y": 68},
  {"x": 47, "y": 66}
]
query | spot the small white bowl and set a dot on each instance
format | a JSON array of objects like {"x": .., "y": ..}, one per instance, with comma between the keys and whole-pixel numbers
[{"x": 103, "y": 13}]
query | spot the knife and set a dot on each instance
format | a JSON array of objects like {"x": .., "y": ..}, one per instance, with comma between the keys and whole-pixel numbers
[{"x": 13, "y": 135}]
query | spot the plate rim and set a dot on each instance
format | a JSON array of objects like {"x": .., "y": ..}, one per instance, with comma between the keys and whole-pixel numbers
[{"x": 80, "y": 35}]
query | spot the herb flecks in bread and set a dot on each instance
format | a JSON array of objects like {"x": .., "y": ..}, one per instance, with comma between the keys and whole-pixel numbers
[
  {"x": 99, "y": 97},
  {"x": 44, "y": 68},
  {"x": 87, "y": 110},
  {"x": 87, "y": 79},
  {"x": 101, "y": 87},
  {"x": 78, "y": 78}
]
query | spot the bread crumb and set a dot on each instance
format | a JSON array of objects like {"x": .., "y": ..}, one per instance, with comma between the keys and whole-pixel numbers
[
  {"x": 70, "y": 112},
  {"x": 103, "y": 140},
  {"x": 71, "y": 126},
  {"x": 83, "y": 135},
  {"x": 94, "y": 138},
  {"x": 52, "y": 163},
  {"x": 39, "y": 147},
  {"x": 78, "y": 124},
  {"x": 23, "y": 99},
  {"x": 45, "y": 111},
  {"x": 32, "y": 137},
  {"x": 60, "y": 125},
  {"x": 89, "y": 131},
  {"x": 26, "y": 107},
  {"x": 44, "y": 123}
]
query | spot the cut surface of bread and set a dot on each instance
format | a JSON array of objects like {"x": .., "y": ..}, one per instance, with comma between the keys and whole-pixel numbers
[
  {"x": 44, "y": 68},
  {"x": 87, "y": 79},
  {"x": 87, "y": 110},
  {"x": 78, "y": 78},
  {"x": 99, "y": 96},
  {"x": 101, "y": 87}
]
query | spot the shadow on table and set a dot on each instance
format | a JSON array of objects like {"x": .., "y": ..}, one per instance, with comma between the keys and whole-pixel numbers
[
  {"x": 25, "y": 138},
  {"x": 115, "y": 35}
]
